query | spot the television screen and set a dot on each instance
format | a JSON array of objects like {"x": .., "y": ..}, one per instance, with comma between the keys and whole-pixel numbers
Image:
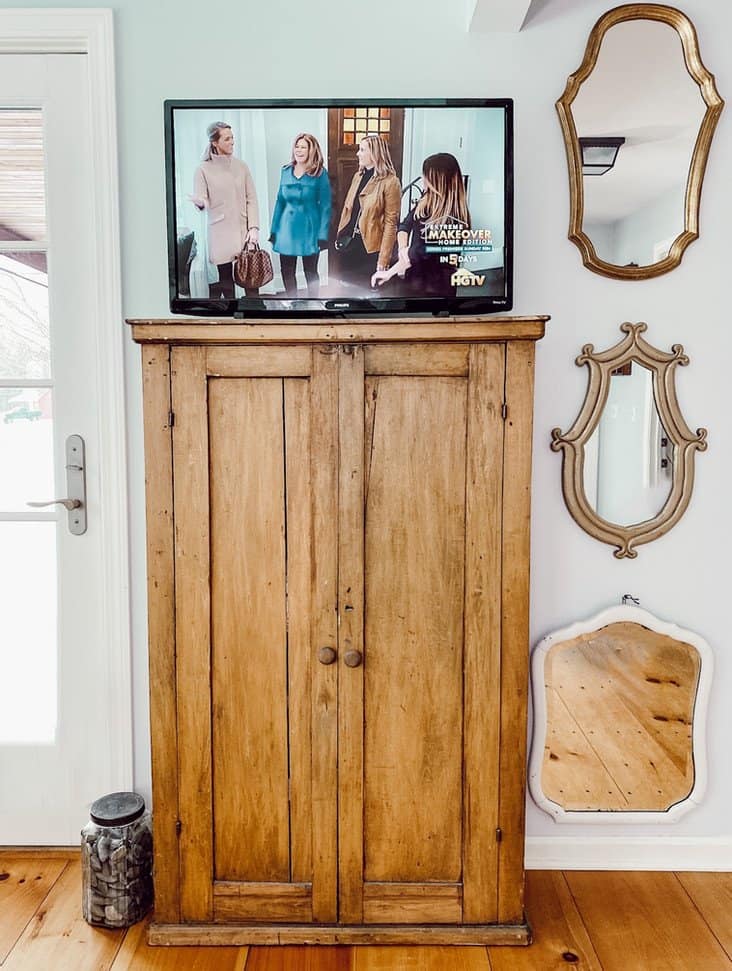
[{"x": 310, "y": 208}]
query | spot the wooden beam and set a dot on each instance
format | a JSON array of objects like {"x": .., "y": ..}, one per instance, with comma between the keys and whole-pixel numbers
[{"x": 496, "y": 16}]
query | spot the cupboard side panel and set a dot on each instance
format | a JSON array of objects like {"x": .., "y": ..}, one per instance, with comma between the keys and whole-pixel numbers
[
  {"x": 193, "y": 611},
  {"x": 161, "y": 626},
  {"x": 515, "y": 626},
  {"x": 249, "y": 649},
  {"x": 483, "y": 631},
  {"x": 413, "y": 657}
]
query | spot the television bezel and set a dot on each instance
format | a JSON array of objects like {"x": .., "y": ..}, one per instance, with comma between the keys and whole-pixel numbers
[{"x": 336, "y": 306}]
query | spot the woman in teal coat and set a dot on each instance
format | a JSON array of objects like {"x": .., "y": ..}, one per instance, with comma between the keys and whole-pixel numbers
[{"x": 301, "y": 214}]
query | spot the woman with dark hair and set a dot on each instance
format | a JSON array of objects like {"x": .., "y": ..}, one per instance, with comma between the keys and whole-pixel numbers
[
  {"x": 368, "y": 223},
  {"x": 443, "y": 203},
  {"x": 301, "y": 214},
  {"x": 223, "y": 186}
]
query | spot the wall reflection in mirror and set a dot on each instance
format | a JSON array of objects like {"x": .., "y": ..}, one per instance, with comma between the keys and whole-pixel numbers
[
  {"x": 619, "y": 727},
  {"x": 638, "y": 118},
  {"x": 639, "y": 90},
  {"x": 629, "y": 456}
]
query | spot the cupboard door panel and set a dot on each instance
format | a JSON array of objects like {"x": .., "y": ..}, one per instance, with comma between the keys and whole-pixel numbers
[
  {"x": 324, "y": 631},
  {"x": 483, "y": 526},
  {"x": 192, "y": 608},
  {"x": 350, "y": 636},
  {"x": 414, "y": 572},
  {"x": 299, "y": 653},
  {"x": 249, "y": 630},
  {"x": 412, "y": 903},
  {"x": 255, "y": 474}
]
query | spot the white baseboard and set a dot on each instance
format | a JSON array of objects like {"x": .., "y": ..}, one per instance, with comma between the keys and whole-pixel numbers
[{"x": 628, "y": 853}]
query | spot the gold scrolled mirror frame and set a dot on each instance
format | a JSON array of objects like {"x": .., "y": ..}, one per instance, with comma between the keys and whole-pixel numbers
[
  {"x": 690, "y": 45},
  {"x": 572, "y": 444}
]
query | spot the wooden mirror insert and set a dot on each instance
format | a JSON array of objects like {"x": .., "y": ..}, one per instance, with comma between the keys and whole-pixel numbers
[
  {"x": 638, "y": 118},
  {"x": 619, "y": 713},
  {"x": 628, "y": 460}
]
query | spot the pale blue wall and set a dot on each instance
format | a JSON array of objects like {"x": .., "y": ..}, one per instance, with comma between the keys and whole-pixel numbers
[{"x": 419, "y": 48}]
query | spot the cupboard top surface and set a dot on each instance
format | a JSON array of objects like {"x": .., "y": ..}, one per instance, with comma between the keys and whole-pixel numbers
[{"x": 187, "y": 330}]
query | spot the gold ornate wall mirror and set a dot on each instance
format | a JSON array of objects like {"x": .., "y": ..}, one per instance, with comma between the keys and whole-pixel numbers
[
  {"x": 634, "y": 203},
  {"x": 628, "y": 460},
  {"x": 619, "y": 719}
]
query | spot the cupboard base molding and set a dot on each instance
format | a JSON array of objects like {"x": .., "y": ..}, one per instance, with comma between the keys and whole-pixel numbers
[{"x": 235, "y": 935}]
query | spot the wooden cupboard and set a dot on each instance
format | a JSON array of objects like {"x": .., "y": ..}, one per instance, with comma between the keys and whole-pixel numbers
[{"x": 338, "y": 563}]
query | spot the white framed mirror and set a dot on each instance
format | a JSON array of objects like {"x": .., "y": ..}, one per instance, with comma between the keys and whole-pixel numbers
[{"x": 620, "y": 707}]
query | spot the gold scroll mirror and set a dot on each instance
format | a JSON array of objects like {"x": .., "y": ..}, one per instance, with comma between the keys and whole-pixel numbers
[
  {"x": 641, "y": 85},
  {"x": 620, "y": 703},
  {"x": 628, "y": 460}
]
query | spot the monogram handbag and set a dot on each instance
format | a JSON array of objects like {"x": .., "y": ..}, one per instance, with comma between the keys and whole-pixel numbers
[{"x": 253, "y": 267}]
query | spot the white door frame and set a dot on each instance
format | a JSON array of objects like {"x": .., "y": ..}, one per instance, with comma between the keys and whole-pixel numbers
[{"x": 90, "y": 32}]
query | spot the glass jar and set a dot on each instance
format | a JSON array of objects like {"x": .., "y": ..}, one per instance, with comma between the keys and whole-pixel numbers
[{"x": 116, "y": 861}]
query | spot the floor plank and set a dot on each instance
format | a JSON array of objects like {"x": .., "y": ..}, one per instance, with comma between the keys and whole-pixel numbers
[
  {"x": 38, "y": 853},
  {"x": 712, "y": 894},
  {"x": 24, "y": 883},
  {"x": 59, "y": 938},
  {"x": 643, "y": 921},
  {"x": 420, "y": 959},
  {"x": 136, "y": 955},
  {"x": 593, "y": 921},
  {"x": 560, "y": 939},
  {"x": 296, "y": 958}
]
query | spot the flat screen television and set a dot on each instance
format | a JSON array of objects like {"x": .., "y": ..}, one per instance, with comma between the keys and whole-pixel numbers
[{"x": 357, "y": 207}]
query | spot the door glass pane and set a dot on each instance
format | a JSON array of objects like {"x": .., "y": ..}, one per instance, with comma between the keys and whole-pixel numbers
[
  {"x": 26, "y": 447},
  {"x": 22, "y": 183},
  {"x": 28, "y": 663},
  {"x": 24, "y": 337}
]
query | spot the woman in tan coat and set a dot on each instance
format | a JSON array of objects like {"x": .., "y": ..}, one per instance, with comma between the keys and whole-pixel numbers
[
  {"x": 368, "y": 225},
  {"x": 223, "y": 186}
]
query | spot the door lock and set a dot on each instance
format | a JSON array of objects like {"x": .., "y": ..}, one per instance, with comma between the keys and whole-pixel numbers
[{"x": 75, "y": 487}]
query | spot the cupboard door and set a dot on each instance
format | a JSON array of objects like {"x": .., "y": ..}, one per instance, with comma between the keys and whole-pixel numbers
[
  {"x": 255, "y": 452},
  {"x": 421, "y": 490}
]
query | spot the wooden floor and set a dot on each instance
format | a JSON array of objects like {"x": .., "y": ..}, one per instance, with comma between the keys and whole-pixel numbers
[{"x": 589, "y": 920}]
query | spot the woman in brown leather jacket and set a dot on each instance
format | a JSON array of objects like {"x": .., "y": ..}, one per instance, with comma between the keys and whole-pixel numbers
[{"x": 368, "y": 224}]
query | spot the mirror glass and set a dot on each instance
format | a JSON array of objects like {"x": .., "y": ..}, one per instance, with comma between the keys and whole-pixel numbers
[
  {"x": 620, "y": 708},
  {"x": 628, "y": 461},
  {"x": 640, "y": 91}
]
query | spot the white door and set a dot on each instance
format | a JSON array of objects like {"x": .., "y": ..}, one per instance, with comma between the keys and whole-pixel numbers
[{"x": 57, "y": 729}]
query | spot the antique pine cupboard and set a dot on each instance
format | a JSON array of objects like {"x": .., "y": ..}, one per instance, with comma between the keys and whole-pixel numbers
[{"x": 338, "y": 558}]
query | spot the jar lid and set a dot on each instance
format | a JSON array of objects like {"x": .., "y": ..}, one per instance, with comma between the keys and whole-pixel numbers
[{"x": 117, "y": 809}]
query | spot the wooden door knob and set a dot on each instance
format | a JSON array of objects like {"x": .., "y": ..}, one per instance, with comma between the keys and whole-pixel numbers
[
  {"x": 353, "y": 658},
  {"x": 326, "y": 655}
]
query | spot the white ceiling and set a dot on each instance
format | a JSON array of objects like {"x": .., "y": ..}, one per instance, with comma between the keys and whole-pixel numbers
[{"x": 496, "y": 16}]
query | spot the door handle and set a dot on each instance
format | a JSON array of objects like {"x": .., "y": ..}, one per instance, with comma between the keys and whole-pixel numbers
[
  {"x": 66, "y": 503},
  {"x": 75, "y": 504}
]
